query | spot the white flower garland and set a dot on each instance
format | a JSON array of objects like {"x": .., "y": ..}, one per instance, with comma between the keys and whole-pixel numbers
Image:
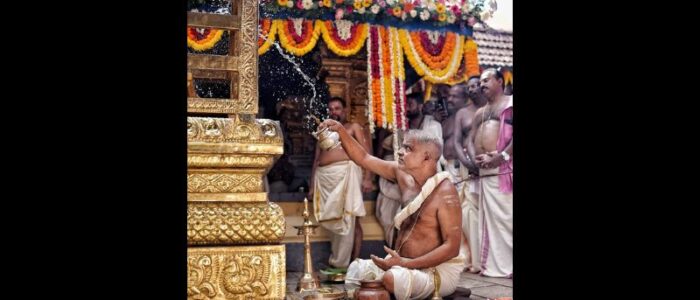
[
  {"x": 370, "y": 107},
  {"x": 381, "y": 77}
]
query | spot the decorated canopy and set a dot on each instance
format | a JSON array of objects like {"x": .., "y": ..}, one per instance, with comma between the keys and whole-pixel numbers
[{"x": 435, "y": 36}]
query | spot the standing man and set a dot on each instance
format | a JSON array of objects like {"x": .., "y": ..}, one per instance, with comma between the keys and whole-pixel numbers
[
  {"x": 491, "y": 140},
  {"x": 336, "y": 190},
  {"x": 457, "y": 100},
  {"x": 469, "y": 193}
]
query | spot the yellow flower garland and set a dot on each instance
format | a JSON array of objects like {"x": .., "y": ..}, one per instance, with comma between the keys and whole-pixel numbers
[
  {"x": 401, "y": 73},
  {"x": 358, "y": 41},
  {"x": 288, "y": 42},
  {"x": 270, "y": 38},
  {"x": 471, "y": 58},
  {"x": 434, "y": 76},
  {"x": 206, "y": 44}
]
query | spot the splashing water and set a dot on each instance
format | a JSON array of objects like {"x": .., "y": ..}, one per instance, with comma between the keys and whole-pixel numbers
[
  {"x": 307, "y": 80},
  {"x": 310, "y": 120}
]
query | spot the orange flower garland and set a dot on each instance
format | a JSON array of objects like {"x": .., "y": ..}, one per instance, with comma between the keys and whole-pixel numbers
[
  {"x": 428, "y": 67},
  {"x": 205, "y": 40},
  {"x": 374, "y": 95},
  {"x": 385, "y": 78},
  {"x": 266, "y": 38},
  {"x": 441, "y": 59},
  {"x": 471, "y": 58},
  {"x": 386, "y": 71},
  {"x": 398, "y": 78},
  {"x": 294, "y": 43},
  {"x": 329, "y": 32}
]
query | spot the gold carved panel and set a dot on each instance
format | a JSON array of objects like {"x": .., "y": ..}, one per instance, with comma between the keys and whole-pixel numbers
[
  {"x": 225, "y": 181},
  {"x": 226, "y": 223},
  {"x": 214, "y": 160},
  {"x": 241, "y": 272},
  {"x": 239, "y": 129},
  {"x": 243, "y": 59},
  {"x": 227, "y": 197}
]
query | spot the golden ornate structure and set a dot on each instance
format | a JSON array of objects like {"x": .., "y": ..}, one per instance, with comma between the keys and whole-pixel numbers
[
  {"x": 237, "y": 130},
  {"x": 234, "y": 223},
  {"x": 229, "y": 218},
  {"x": 241, "y": 65},
  {"x": 211, "y": 181},
  {"x": 243, "y": 272},
  {"x": 227, "y": 197},
  {"x": 195, "y": 160}
]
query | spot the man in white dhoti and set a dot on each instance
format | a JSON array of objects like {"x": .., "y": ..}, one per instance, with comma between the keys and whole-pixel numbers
[
  {"x": 429, "y": 237},
  {"x": 336, "y": 188},
  {"x": 469, "y": 191},
  {"x": 492, "y": 139}
]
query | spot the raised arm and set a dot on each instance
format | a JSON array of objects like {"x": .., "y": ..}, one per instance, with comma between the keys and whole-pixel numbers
[{"x": 358, "y": 154}]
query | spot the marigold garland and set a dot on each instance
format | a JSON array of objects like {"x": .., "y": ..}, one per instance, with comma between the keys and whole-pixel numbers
[
  {"x": 370, "y": 102},
  {"x": 434, "y": 57},
  {"x": 381, "y": 39},
  {"x": 373, "y": 74},
  {"x": 268, "y": 32},
  {"x": 386, "y": 75},
  {"x": 203, "y": 41},
  {"x": 329, "y": 32},
  {"x": 433, "y": 75},
  {"x": 401, "y": 92},
  {"x": 394, "y": 80},
  {"x": 294, "y": 43},
  {"x": 387, "y": 82},
  {"x": 471, "y": 58}
]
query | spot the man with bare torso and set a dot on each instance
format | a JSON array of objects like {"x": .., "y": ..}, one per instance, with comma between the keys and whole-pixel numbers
[
  {"x": 387, "y": 207},
  {"x": 336, "y": 191},
  {"x": 429, "y": 235},
  {"x": 491, "y": 144},
  {"x": 456, "y": 100},
  {"x": 469, "y": 189}
]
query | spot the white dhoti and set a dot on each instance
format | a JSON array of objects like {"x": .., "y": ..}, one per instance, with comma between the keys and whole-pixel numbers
[
  {"x": 337, "y": 201},
  {"x": 469, "y": 199},
  {"x": 496, "y": 219},
  {"x": 410, "y": 283},
  {"x": 413, "y": 283},
  {"x": 470, "y": 224},
  {"x": 457, "y": 171},
  {"x": 388, "y": 204}
]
